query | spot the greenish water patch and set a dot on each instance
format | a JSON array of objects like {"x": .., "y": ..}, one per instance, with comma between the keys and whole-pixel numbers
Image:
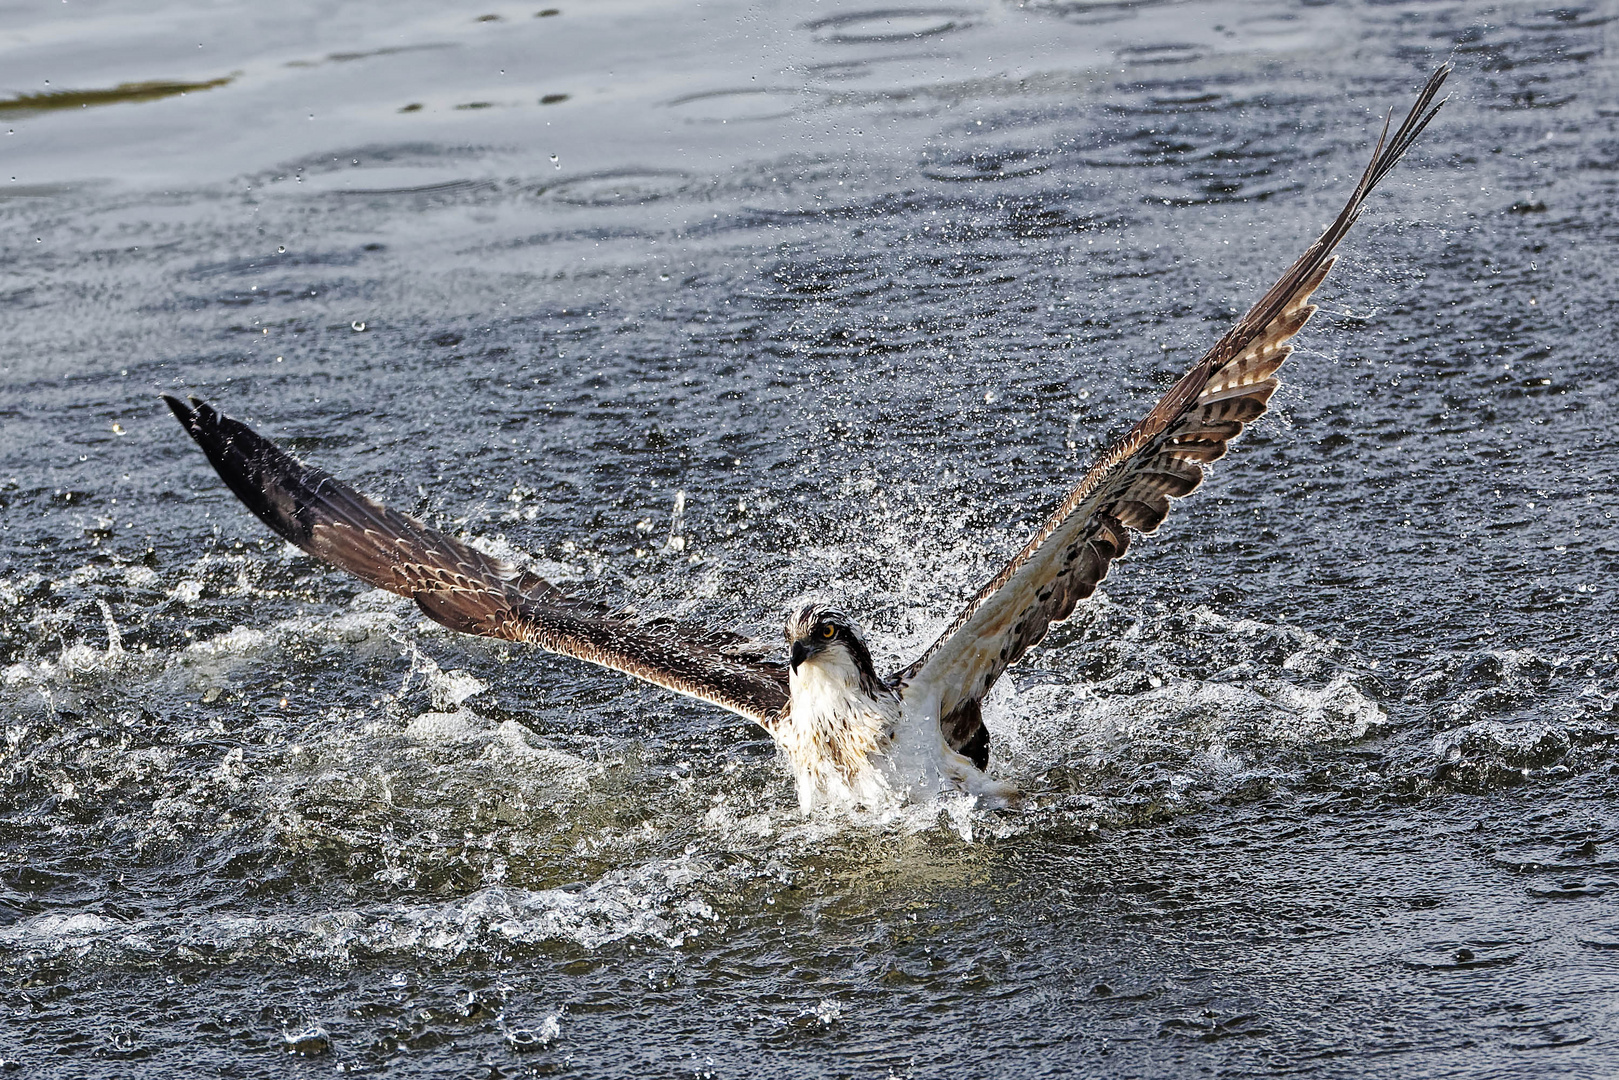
[{"x": 150, "y": 90}]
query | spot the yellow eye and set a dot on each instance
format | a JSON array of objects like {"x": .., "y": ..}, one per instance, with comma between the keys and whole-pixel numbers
[{"x": 829, "y": 631}]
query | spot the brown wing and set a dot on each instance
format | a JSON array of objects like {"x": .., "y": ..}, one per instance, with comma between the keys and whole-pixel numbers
[
  {"x": 469, "y": 591},
  {"x": 1130, "y": 487}
]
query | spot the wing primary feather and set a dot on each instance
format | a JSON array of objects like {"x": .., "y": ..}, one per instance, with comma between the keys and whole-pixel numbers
[{"x": 1132, "y": 483}]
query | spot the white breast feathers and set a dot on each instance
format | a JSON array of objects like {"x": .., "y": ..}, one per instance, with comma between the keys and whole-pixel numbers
[
  {"x": 865, "y": 747},
  {"x": 834, "y": 730}
]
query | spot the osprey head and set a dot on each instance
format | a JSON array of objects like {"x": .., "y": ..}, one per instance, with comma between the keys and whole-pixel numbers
[{"x": 813, "y": 629}]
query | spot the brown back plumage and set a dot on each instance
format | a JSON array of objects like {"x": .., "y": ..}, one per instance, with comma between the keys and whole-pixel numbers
[{"x": 1131, "y": 485}]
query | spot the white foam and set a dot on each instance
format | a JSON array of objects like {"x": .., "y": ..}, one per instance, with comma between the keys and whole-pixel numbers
[
  {"x": 518, "y": 747},
  {"x": 187, "y": 591},
  {"x": 1150, "y": 705},
  {"x": 447, "y": 727},
  {"x": 655, "y": 901}
]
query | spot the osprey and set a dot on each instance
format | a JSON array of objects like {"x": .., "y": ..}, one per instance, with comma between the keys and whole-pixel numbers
[{"x": 852, "y": 736}]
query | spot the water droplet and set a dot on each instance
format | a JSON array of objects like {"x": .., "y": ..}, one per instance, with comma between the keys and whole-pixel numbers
[
  {"x": 555, "y": 162},
  {"x": 357, "y": 326},
  {"x": 280, "y": 251},
  {"x": 310, "y": 1042}
]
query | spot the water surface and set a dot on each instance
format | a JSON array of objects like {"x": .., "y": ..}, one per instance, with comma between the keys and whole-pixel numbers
[{"x": 1323, "y": 780}]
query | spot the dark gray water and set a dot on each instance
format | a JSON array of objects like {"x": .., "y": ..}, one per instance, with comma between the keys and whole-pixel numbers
[{"x": 1324, "y": 779}]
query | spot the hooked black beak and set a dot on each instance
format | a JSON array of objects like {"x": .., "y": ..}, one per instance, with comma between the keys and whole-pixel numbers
[{"x": 801, "y": 651}]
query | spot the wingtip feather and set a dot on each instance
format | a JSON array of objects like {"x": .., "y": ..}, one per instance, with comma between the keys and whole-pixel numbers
[{"x": 182, "y": 412}]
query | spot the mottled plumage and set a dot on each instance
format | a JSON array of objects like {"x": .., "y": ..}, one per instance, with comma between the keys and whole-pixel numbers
[
  {"x": 1133, "y": 483},
  {"x": 850, "y": 735}
]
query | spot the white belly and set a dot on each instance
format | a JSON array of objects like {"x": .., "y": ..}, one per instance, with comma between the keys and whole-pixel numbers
[{"x": 851, "y": 748}]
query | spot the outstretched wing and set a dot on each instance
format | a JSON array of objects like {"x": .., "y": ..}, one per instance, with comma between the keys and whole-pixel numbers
[
  {"x": 1130, "y": 487},
  {"x": 469, "y": 591}
]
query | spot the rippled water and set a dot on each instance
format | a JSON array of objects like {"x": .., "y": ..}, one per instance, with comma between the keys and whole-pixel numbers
[{"x": 1324, "y": 779}]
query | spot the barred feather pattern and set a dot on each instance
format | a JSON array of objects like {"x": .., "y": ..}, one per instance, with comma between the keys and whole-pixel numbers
[
  {"x": 1132, "y": 485},
  {"x": 474, "y": 593}
]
